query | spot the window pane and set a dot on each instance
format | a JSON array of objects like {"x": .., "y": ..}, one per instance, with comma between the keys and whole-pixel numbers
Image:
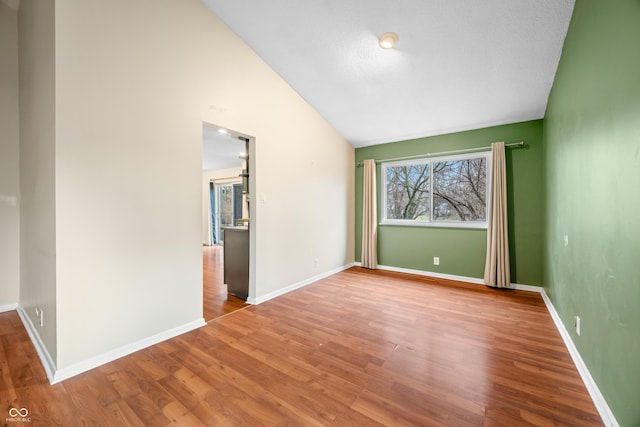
[
  {"x": 226, "y": 206},
  {"x": 408, "y": 192},
  {"x": 459, "y": 190}
]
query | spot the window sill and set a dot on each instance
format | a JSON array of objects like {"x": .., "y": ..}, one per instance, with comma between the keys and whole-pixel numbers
[{"x": 461, "y": 224}]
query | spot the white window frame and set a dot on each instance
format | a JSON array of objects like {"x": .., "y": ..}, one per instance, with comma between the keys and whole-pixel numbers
[{"x": 430, "y": 161}]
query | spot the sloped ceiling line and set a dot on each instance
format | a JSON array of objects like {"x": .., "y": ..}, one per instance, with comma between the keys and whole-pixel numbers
[{"x": 459, "y": 65}]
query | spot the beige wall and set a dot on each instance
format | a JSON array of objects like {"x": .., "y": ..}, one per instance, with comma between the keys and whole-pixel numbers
[
  {"x": 134, "y": 83},
  {"x": 37, "y": 166},
  {"x": 9, "y": 159}
]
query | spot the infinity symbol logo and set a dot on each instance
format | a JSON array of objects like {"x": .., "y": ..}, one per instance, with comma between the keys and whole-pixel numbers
[{"x": 22, "y": 412}]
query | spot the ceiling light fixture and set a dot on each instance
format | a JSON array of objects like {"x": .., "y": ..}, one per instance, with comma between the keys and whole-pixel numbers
[
  {"x": 223, "y": 131},
  {"x": 388, "y": 40}
]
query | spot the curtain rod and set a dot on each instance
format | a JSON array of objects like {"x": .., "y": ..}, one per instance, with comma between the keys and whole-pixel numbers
[{"x": 518, "y": 144}]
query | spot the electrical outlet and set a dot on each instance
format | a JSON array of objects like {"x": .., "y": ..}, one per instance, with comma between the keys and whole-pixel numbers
[
  {"x": 315, "y": 262},
  {"x": 578, "y": 325},
  {"x": 566, "y": 240},
  {"x": 436, "y": 260},
  {"x": 40, "y": 316}
]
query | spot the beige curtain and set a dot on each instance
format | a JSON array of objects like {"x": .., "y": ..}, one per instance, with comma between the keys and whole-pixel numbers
[
  {"x": 496, "y": 269},
  {"x": 369, "y": 217}
]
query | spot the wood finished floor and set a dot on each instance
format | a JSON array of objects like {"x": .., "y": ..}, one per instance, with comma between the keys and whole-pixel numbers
[
  {"x": 359, "y": 348},
  {"x": 216, "y": 301}
]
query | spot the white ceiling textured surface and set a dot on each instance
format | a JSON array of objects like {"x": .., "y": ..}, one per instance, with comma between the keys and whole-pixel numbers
[
  {"x": 220, "y": 151},
  {"x": 459, "y": 64}
]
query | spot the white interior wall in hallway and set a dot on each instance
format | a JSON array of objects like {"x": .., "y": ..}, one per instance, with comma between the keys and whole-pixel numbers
[
  {"x": 36, "y": 35},
  {"x": 9, "y": 159}
]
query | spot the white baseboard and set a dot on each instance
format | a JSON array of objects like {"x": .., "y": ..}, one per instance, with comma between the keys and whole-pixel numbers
[
  {"x": 474, "y": 280},
  {"x": 8, "y": 307},
  {"x": 297, "y": 285},
  {"x": 109, "y": 356},
  {"x": 45, "y": 358},
  {"x": 56, "y": 375},
  {"x": 528, "y": 288},
  {"x": 598, "y": 399},
  {"x": 432, "y": 274}
]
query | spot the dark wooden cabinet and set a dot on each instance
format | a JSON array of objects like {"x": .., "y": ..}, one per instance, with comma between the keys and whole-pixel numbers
[{"x": 236, "y": 261}]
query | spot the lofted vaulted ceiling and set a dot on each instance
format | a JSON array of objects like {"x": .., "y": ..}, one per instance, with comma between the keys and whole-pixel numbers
[{"x": 459, "y": 64}]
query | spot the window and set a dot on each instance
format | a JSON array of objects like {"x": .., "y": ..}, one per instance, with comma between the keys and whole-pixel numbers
[
  {"x": 228, "y": 207},
  {"x": 443, "y": 191}
]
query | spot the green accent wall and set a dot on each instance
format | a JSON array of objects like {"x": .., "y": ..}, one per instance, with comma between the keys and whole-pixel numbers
[
  {"x": 592, "y": 171},
  {"x": 462, "y": 251}
]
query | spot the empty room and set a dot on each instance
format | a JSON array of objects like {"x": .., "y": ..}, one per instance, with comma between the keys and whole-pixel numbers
[{"x": 436, "y": 204}]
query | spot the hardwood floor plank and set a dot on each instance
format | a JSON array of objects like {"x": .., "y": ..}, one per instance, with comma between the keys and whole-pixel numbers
[
  {"x": 391, "y": 413},
  {"x": 361, "y": 347},
  {"x": 122, "y": 414},
  {"x": 354, "y": 418},
  {"x": 47, "y": 405},
  {"x": 21, "y": 372},
  {"x": 146, "y": 410},
  {"x": 87, "y": 390},
  {"x": 7, "y": 389}
]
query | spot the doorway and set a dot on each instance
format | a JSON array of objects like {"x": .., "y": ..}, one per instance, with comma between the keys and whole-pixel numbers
[{"x": 225, "y": 186}]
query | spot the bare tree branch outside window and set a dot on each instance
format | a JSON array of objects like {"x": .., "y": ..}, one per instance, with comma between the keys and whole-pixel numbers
[
  {"x": 459, "y": 190},
  {"x": 408, "y": 192}
]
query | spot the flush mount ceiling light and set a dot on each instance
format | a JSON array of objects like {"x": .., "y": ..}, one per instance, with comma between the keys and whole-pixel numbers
[
  {"x": 223, "y": 131},
  {"x": 388, "y": 40}
]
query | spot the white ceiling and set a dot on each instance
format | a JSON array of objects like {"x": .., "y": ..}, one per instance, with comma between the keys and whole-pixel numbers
[
  {"x": 220, "y": 151},
  {"x": 459, "y": 64}
]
